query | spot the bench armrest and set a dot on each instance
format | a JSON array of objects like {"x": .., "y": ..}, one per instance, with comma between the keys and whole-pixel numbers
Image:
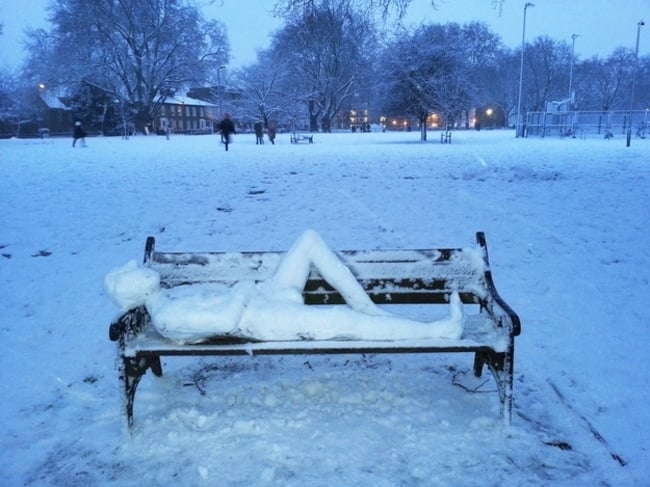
[
  {"x": 128, "y": 325},
  {"x": 495, "y": 305}
]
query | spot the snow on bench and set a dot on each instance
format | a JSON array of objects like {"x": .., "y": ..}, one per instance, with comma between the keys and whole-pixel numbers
[{"x": 400, "y": 280}]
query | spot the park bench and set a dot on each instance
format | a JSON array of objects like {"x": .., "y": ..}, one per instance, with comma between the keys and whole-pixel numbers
[
  {"x": 416, "y": 278},
  {"x": 297, "y": 138},
  {"x": 445, "y": 137}
]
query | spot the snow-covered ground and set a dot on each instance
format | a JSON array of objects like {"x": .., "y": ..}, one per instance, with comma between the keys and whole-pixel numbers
[{"x": 566, "y": 222}]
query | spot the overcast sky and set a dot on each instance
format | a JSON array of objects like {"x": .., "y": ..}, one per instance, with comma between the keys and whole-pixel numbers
[{"x": 602, "y": 25}]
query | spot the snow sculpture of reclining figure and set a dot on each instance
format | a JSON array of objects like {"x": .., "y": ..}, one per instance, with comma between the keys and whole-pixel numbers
[{"x": 273, "y": 309}]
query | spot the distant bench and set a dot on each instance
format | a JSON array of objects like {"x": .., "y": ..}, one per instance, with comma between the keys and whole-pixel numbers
[
  {"x": 390, "y": 277},
  {"x": 445, "y": 137},
  {"x": 297, "y": 138}
]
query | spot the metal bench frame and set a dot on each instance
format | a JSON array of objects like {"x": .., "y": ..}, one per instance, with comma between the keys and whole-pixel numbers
[
  {"x": 420, "y": 277},
  {"x": 297, "y": 138}
]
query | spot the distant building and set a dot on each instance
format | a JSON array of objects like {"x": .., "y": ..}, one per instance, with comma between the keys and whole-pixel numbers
[
  {"x": 185, "y": 115},
  {"x": 355, "y": 116},
  {"x": 53, "y": 113},
  {"x": 57, "y": 117}
]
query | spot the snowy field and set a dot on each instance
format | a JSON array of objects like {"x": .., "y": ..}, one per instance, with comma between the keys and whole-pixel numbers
[{"x": 566, "y": 222}]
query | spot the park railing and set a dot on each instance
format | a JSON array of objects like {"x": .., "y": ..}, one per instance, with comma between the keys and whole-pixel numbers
[{"x": 587, "y": 123}]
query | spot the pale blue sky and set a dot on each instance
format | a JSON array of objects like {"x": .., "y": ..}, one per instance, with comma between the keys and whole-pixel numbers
[{"x": 602, "y": 24}]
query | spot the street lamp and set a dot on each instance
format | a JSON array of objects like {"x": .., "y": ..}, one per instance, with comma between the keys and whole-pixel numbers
[
  {"x": 220, "y": 90},
  {"x": 521, "y": 68},
  {"x": 640, "y": 24},
  {"x": 573, "y": 49}
]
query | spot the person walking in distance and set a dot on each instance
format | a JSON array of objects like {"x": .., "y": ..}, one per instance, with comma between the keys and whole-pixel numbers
[
  {"x": 78, "y": 133},
  {"x": 227, "y": 128},
  {"x": 271, "y": 134}
]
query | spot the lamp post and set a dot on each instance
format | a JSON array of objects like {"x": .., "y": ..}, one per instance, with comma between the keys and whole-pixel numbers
[
  {"x": 220, "y": 91},
  {"x": 640, "y": 24},
  {"x": 42, "y": 131},
  {"x": 573, "y": 50},
  {"x": 521, "y": 69}
]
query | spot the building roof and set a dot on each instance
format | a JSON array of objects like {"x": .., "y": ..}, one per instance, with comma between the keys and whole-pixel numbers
[
  {"x": 186, "y": 100},
  {"x": 53, "y": 100}
]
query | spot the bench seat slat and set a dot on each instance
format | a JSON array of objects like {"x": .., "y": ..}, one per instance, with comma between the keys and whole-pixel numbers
[
  {"x": 478, "y": 335},
  {"x": 307, "y": 348},
  {"x": 398, "y": 268}
]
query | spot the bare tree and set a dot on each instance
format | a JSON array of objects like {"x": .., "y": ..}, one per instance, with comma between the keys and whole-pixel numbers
[
  {"x": 8, "y": 102},
  {"x": 643, "y": 84},
  {"x": 289, "y": 8},
  {"x": 547, "y": 63},
  {"x": 293, "y": 9},
  {"x": 602, "y": 83},
  {"x": 501, "y": 82}
]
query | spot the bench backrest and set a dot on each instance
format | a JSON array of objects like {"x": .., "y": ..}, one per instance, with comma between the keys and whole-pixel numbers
[{"x": 388, "y": 276}]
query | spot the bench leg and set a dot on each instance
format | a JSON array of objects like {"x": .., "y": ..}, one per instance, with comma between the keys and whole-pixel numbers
[
  {"x": 508, "y": 375},
  {"x": 479, "y": 361},
  {"x": 133, "y": 368},
  {"x": 501, "y": 366},
  {"x": 131, "y": 376}
]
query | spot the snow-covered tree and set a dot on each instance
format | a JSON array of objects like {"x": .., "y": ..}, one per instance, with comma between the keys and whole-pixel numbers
[
  {"x": 8, "y": 108},
  {"x": 328, "y": 52},
  {"x": 438, "y": 68},
  {"x": 261, "y": 87},
  {"x": 137, "y": 52}
]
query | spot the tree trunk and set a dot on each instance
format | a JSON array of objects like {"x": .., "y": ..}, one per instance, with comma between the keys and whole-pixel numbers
[
  {"x": 326, "y": 124},
  {"x": 313, "y": 123},
  {"x": 142, "y": 120},
  {"x": 423, "y": 128},
  {"x": 313, "y": 117}
]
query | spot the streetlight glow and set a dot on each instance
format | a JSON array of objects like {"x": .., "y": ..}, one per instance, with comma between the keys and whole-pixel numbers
[{"x": 521, "y": 69}]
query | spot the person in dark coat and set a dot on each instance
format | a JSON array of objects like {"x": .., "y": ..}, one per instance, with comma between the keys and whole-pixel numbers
[
  {"x": 78, "y": 133},
  {"x": 227, "y": 128},
  {"x": 259, "y": 133}
]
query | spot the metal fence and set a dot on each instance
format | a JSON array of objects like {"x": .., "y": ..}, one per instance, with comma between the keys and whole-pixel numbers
[{"x": 583, "y": 124}]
